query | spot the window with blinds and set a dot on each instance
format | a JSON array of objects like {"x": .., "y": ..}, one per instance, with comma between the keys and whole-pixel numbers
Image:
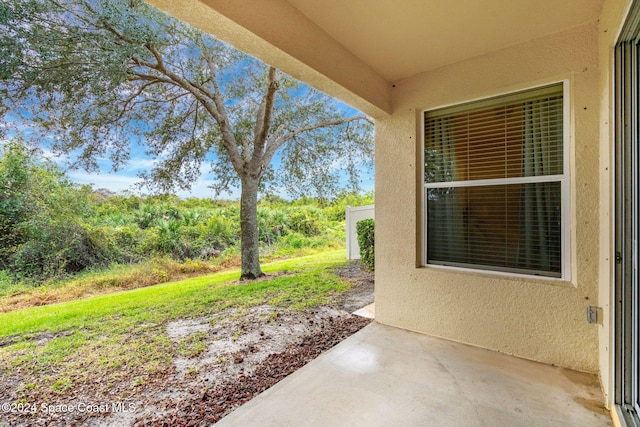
[{"x": 494, "y": 182}]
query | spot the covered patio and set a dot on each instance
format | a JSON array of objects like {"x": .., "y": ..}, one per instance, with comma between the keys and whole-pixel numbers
[
  {"x": 384, "y": 376},
  {"x": 415, "y": 66}
]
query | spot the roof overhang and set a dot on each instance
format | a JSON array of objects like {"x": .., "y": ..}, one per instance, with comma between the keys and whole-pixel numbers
[{"x": 356, "y": 49}]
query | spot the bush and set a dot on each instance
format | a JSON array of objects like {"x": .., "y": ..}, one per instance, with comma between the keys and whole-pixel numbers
[
  {"x": 43, "y": 230},
  {"x": 294, "y": 240},
  {"x": 365, "y": 232},
  {"x": 221, "y": 230},
  {"x": 305, "y": 221},
  {"x": 54, "y": 249},
  {"x": 124, "y": 241},
  {"x": 6, "y": 282}
]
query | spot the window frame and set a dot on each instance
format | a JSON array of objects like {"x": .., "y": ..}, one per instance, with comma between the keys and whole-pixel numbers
[{"x": 564, "y": 179}]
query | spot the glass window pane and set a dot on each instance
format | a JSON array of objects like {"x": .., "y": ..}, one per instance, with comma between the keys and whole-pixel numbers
[
  {"x": 515, "y": 227},
  {"x": 494, "y": 139}
]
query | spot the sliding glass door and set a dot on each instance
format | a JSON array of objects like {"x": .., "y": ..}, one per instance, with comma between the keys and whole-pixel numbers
[{"x": 627, "y": 289}]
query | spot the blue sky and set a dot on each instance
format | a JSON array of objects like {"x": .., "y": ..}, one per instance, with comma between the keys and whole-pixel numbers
[
  {"x": 127, "y": 177},
  {"x": 122, "y": 180}
]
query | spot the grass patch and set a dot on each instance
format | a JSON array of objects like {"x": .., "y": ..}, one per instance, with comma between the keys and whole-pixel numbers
[
  {"x": 61, "y": 385},
  {"x": 113, "y": 279},
  {"x": 122, "y": 336},
  {"x": 193, "y": 345},
  {"x": 126, "y": 277}
]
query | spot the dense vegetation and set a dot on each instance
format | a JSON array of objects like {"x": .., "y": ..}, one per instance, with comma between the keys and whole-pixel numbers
[
  {"x": 52, "y": 229},
  {"x": 366, "y": 242}
]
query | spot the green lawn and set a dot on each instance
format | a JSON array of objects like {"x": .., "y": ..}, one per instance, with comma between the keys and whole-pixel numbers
[{"x": 123, "y": 335}]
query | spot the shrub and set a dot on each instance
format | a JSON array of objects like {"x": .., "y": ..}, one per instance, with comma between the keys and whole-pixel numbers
[
  {"x": 54, "y": 248},
  {"x": 305, "y": 221},
  {"x": 294, "y": 240},
  {"x": 43, "y": 228},
  {"x": 221, "y": 230},
  {"x": 365, "y": 232},
  {"x": 126, "y": 241},
  {"x": 6, "y": 282}
]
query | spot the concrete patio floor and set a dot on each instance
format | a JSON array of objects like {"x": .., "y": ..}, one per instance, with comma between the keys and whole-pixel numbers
[{"x": 383, "y": 376}]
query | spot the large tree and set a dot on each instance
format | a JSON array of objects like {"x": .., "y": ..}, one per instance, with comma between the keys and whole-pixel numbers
[{"x": 99, "y": 76}]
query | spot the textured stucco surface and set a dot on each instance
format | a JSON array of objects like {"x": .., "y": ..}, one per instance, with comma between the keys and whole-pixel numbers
[{"x": 535, "y": 319}]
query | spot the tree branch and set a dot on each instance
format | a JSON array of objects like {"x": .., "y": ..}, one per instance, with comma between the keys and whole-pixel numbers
[
  {"x": 136, "y": 75},
  {"x": 128, "y": 101},
  {"x": 142, "y": 63},
  {"x": 159, "y": 61},
  {"x": 228, "y": 138},
  {"x": 105, "y": 25},
  {"x": 276, "y": 141},
  {"x": 212, "y": 102},
  {"x": 195, "y": 123},
  {"x": 264, "y": 115},
  {"x": 172, "y": 99}
]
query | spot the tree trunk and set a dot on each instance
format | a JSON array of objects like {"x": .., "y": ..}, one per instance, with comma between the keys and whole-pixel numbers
[{"x": 249, "y": 230}]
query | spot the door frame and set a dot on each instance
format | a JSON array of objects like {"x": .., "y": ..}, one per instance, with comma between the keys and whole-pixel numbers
[{"x": 627, "y": 291}]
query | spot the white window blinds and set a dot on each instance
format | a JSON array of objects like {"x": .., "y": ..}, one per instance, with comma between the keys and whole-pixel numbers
[{"x": 493, "y": 173}]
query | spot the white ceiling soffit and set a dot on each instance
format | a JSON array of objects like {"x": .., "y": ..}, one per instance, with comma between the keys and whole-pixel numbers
[{"x": 401, "y": 38}]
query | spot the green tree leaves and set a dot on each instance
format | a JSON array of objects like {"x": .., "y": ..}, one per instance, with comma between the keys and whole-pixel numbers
[
  {"x": 42, "y": 219},
  {"x": 98, "y": 77},
  {"x": 102, "y": 76}
]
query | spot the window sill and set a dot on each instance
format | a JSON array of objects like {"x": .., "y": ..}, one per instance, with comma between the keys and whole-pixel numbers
[{"x": 525, "y": 278}]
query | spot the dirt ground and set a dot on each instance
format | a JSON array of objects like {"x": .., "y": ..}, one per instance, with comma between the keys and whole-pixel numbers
[{"x": 246, "y": 353}]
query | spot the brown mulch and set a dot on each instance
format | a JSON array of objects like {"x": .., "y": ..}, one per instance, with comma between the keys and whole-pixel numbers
[
  {"x": 210, "y": 406},
  {"x": 213, "y": 405}
]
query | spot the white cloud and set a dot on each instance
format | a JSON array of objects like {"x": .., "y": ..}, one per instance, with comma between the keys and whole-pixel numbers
[
  {"x": 119, "y": 183},
  {"x": 50, "y": 155},
  {"x": 139, "y": 163},
  {"x": 200, "y": 189},
  {"x": 113, "y": 182},
  {"x": 15, "y": 126}
]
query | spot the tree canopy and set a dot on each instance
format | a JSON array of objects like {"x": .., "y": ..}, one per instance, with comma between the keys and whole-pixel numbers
[{"x": 99, "y": 77}]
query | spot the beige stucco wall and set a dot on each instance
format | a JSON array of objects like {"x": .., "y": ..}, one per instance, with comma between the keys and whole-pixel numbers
[{"x": 543, "y": 320}]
